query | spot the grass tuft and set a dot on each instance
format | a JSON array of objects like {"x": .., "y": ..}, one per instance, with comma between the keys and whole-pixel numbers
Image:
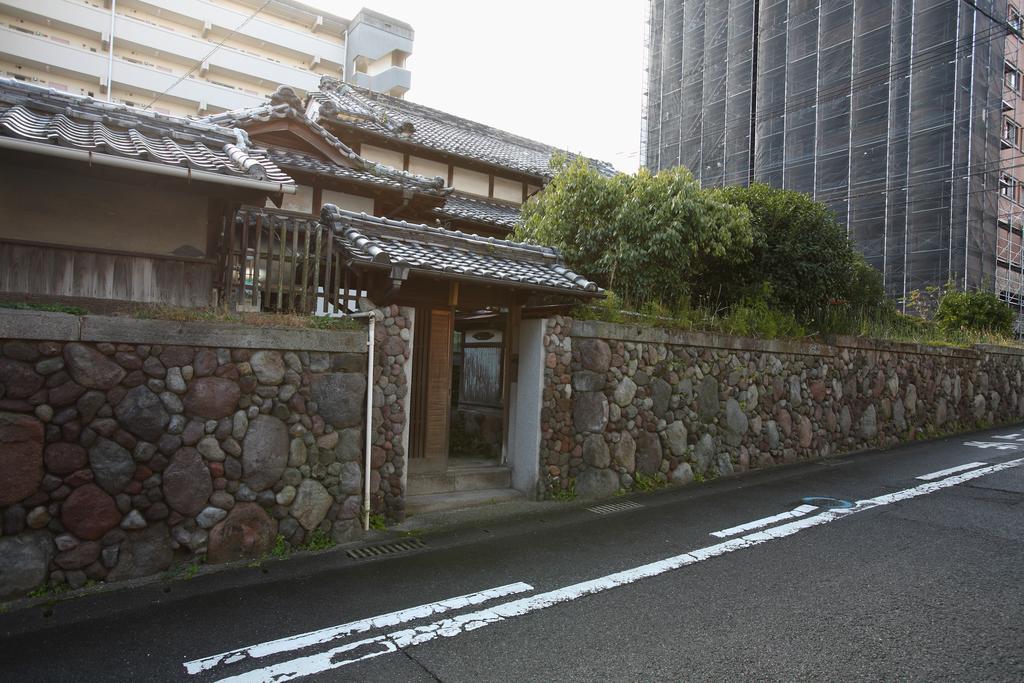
[
  {"x": 50, "y": 308},
  {"x": 293, "y": 320}
]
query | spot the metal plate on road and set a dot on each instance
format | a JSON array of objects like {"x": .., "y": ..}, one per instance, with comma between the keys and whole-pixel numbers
[{"x": 826, "y": 502}]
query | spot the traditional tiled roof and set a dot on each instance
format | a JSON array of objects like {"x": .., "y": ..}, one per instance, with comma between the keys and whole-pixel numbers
[
  {"x": 49, "y": 116},
  {"x": 396, "y": 244},
  {"x": 461, "y": 207},
  {"x": 284, "y": 104},
  {"x": 391, "y": 117}
]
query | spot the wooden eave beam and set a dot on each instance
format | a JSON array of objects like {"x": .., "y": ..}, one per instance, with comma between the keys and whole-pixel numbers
[
  {"x": 468, "y": 285},
  {"x": 329, "y": 182},
  {"x": 303, "y": 133}
]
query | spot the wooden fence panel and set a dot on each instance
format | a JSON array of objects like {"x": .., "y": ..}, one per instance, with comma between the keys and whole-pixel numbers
[
  {"x": 279, "y": 261},
  {"x": 49, "y": 270}
]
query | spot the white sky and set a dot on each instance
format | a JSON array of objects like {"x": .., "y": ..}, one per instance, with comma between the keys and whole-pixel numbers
[{"x": 564, "y": 72}]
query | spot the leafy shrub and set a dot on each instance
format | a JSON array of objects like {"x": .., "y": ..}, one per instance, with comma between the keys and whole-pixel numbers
[
  {"x": 753, "y": 317},
  {"x": 801, "y": 252},
  {"x": 979, "y": 311},
  {"x": 650, "y": 237}
]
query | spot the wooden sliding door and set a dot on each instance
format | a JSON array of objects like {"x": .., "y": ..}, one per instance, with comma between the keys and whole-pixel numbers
[{"x": 431, "y": 389}]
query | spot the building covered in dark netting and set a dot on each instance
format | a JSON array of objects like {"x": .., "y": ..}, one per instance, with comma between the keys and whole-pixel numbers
[{"x": 892, "y": 113}]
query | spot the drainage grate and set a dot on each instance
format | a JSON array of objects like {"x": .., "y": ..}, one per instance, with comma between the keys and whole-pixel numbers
[
  {"x": 615, "y": 507},
  {"x": 385, "y": 549}
]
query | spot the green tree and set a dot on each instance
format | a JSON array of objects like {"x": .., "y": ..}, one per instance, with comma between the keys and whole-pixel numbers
[
  {"x": 978, "y": 311},
  {"x": 801, "y": 253},
  {"x": 651, "y": 238}
]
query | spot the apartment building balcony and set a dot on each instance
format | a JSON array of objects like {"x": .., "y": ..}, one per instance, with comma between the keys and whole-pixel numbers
[
  {"x": 39, "y": 52},
  {"x": 393, "y": 81},
  {"x": 258, "y": 30},
  {"x": 146, "y": 38}
]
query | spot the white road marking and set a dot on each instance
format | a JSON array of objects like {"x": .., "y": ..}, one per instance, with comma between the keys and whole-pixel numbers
[
  {"x": 326, "y": 635},
  {"x": 453, "y": 626},
  {"x": 952, "y": 470},
  {"x": 765, "y": 521},
  {"x": 999, "y": 446}
]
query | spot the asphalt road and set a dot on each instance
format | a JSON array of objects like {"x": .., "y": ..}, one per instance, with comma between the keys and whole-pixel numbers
[{"x": 921, "y": 579}]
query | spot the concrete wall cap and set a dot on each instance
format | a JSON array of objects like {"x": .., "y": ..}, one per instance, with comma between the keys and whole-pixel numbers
[
  {"x": 20, "y": 324},
  {"x": 43, "y": 325},
  {"x": 831, "y": 347}
]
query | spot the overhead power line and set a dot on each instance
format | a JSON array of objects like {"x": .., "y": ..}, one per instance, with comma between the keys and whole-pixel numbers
[{"x": 210, "y": 53}]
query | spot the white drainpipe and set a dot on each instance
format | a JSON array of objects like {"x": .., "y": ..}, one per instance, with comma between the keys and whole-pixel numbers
[
  {"x": 110, "y": 55},
  {"x": 372, "y": 316}
]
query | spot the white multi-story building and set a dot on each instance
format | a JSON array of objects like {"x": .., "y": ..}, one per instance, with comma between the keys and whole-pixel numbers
[{"x": 167, "y": 50}]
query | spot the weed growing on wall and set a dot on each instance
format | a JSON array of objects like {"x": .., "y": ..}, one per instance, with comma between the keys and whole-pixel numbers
[
  {"x": 292, "y": 320},
  {"x": 51, "y": 308},
  {"x": 642, "y": 482},
  {"x": 319, "y": 540},
  {"x": 281, "y": 549},
  {"x": 564, "y": 494},
  {"x": 378, "y": 522}
]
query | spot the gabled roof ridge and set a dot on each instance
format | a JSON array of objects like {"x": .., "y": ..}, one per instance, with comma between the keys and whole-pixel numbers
[
  {"x": 401, "y": 103},
  {"x": 265, "y": 111},
  {"x": 391, "y": 116},
  {"x": 282, "y": 104}
]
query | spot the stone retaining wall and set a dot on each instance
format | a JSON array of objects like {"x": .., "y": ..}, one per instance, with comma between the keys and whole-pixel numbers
[
  {"x": 622, "y": 402},
  {"x": 393, "y": 363},
  {"x": 128, "y": 445}
]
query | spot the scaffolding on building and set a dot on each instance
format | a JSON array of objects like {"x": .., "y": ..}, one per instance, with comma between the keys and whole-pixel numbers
[
  {"x": 645, "y": 94},
  {"x": 1009, "y": 266},
  {"x": 887, "y": 112}
]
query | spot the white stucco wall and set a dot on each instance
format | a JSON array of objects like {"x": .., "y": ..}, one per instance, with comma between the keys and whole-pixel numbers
[{"x": 526, "y": 402}]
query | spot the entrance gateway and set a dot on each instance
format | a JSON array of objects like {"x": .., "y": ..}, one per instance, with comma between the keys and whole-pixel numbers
[
  {"x": 459, "y": 382},
  {"x": 478, "y": 306}
]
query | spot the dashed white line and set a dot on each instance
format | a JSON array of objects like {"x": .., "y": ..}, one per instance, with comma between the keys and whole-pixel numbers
[
  {"x": 952, "y": 470},
  {"x": 765, "y": 521},
  {"x": 453, "y": 626},
  {"x": 326, "y": 635}
]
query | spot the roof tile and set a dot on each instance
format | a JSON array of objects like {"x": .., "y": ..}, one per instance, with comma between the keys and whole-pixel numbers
[
  {"x": 48, "y": 116},
  {"x": 479, "y": 211},
  {"x": 383, "y": 242},
  {"x": 348, "y": 105}
]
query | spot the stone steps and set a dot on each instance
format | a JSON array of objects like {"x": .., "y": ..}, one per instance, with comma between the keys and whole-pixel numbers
[
  {"x": 472, "y": 478},
  {"x": 462, "y": 485},
  {"x": 458, "y": 500}
]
